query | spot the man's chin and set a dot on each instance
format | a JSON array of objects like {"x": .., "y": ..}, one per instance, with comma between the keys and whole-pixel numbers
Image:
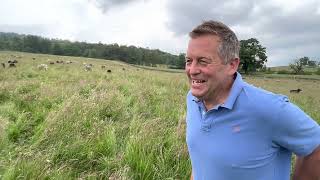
[{"x": 197, "y": 95}]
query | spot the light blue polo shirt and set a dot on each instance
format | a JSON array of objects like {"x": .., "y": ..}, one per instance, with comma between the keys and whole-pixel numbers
[{"x": 249, "y": 137}]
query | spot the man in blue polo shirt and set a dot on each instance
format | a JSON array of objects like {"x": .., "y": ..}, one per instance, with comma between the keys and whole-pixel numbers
[{"x": 236, "y": 131}]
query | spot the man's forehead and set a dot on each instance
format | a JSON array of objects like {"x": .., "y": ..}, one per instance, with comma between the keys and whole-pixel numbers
[{"x": 208, "y": 43}]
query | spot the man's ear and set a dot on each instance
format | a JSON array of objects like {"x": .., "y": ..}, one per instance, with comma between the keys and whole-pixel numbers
[{"x": 233, "y": 65}]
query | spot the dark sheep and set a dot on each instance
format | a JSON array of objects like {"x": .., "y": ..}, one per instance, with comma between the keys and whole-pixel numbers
[
  {"x": 14, "y": 61},
  {"x": 103, "y": 67},
  {"x": 12, "y": 65},
  {"x": 33, "y": 58},
  {"x": 123, "y": 69},
  {"x": 51, "y": 62},
  {"x": 295, "y": 90},
  {"x": 109, "y": 71}
]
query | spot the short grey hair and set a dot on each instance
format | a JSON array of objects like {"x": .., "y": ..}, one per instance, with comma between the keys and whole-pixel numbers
[{"x": 229, "y": 47}]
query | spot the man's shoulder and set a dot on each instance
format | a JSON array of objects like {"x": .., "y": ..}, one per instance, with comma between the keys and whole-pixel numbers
[
  {"x": 189, "y": 98},
  {"x": 258, "y": 97},
  {"x": 189, "y": 95}
]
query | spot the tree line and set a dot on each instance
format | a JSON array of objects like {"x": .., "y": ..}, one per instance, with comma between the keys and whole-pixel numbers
[
  {"x": 128, "y": 54},
  {"x": 252, "y": 53}
]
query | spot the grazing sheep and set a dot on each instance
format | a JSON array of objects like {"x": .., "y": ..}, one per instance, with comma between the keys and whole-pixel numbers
[
  {"x": 33, "y": 58},
  {"x": 3, "y": 65},
  {"x": 109, "y": 71},
  {"x": 42, "y": 67},
  {"x": 88, "y": 67},
  {"x": 12, "y": 65},
  {"x": 12, "y": 62},
  {"x": 68, "y": 62},
  {"x": 51, "y": 62},
  {"x": 123, "y": 69},
  {"x": 103, "y": 67},
  {"x": 295, "y": 90}
]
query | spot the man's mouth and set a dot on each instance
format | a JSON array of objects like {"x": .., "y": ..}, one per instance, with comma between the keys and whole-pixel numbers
[{"x": 197, "y": 82}]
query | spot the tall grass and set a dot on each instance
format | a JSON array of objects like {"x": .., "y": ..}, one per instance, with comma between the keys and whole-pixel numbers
[{"x": 68, "y": 123}]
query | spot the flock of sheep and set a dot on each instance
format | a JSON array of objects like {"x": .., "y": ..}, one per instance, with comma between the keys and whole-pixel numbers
[{"x": 86, "y": 67}]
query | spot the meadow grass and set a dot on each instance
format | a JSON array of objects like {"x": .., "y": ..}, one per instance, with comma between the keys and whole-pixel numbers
[{"x": 66, "y": 123}]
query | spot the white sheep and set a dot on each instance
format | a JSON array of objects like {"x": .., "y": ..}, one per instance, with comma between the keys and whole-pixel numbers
[
  {"x": 42, "y": 67},
  {"x": 88, "y": 67}
]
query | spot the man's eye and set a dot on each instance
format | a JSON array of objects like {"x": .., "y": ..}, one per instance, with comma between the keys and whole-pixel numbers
[
  {"x": 188, "y": 61},
  {"x": 203, "y": 62}
]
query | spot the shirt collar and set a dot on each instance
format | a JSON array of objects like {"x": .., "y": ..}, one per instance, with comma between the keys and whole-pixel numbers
[{"x": 234, "y": 93}]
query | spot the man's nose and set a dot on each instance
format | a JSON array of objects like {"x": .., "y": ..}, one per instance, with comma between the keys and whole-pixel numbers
[{"x": 194, "y": 68}]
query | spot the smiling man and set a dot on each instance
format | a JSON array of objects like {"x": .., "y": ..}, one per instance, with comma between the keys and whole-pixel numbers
[{"x": 236, "y": 131}]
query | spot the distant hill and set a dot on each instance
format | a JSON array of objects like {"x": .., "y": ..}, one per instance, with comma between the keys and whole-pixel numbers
[
  {"x": 287, "y": 68},
  {"x": 128, "y": 54}
]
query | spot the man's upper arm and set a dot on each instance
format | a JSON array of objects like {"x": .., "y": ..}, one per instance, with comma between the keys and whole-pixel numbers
[{"x": 295, "y": 130}]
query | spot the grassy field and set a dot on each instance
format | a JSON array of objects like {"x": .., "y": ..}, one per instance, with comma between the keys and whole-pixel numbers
[
  {"x": 287, "y": 68},
  {"x": 66, "y": 123}
]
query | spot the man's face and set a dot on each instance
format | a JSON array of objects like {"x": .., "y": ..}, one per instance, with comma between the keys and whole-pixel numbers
[{"x": 206, "y": 71}]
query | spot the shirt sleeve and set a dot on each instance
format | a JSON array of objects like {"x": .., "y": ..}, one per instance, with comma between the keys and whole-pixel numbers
[{"x": 294, "y": 129}]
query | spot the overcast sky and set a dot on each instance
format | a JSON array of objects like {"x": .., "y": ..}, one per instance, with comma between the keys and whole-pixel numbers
[{"x": 288, "y": 29}]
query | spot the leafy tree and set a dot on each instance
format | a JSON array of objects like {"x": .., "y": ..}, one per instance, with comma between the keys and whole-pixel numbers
[
  {"x": 304, "y": 61},
  {"x": 252, "y": 54},
  {"x": 56, "y": 49},
  {"x": 312, "y": 63},
  {"x": 32, "y": 43},
  {"x": 181, "y": 61},
  {"x": 297, "y": 66}
]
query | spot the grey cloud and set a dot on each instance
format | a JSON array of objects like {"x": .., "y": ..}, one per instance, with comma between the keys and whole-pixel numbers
[
  {"x": 184, "y": 15},
  {"x": 294, "y": 32},
  {"x": 105, "y": 5}
]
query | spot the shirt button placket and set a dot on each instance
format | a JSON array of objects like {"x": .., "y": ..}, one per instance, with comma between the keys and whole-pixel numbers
[{"x": 206, "y": 126}]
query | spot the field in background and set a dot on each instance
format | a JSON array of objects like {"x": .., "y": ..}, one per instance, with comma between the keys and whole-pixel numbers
[
  {"x": 287, "y": 68},
  {"x": 128, "y": 124}
]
